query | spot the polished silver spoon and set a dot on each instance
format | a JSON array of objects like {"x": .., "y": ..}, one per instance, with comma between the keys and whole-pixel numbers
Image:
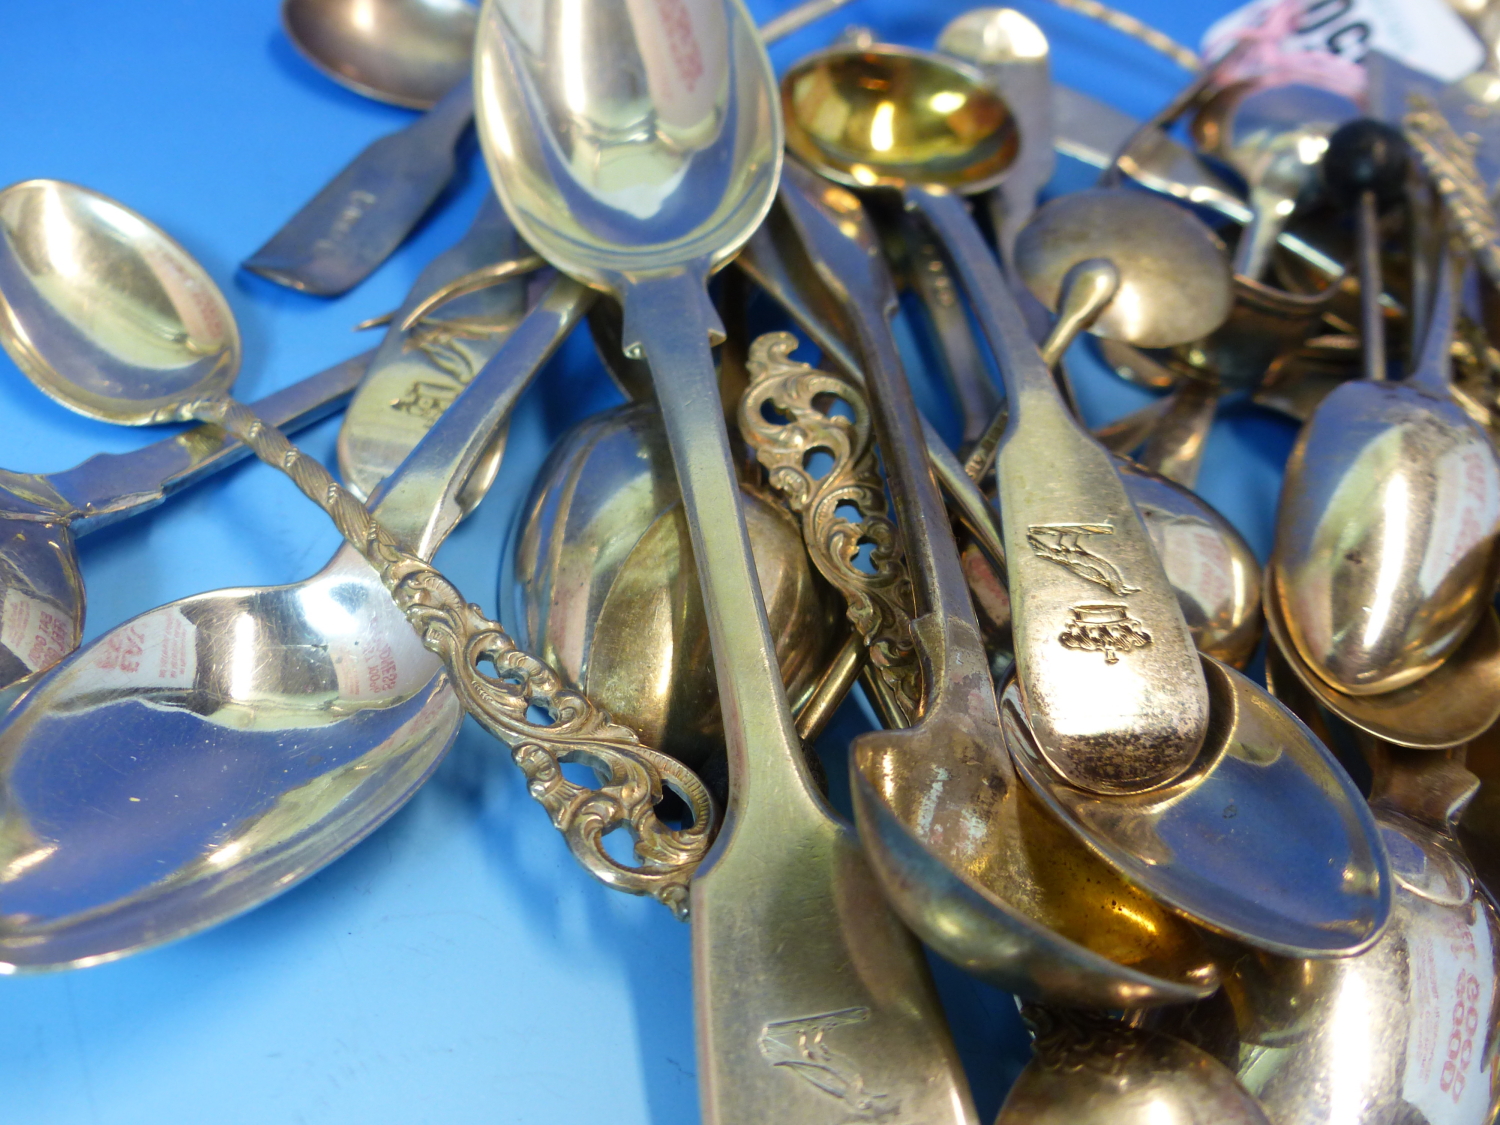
[
  {"x": 1385, "y": 537},
  {"x": 204, "y": 756},
  {"x": 641, "y": 180},
  {"x": 1070, "y": 528},
  {"x": 415, "y": 53},
  {"x": 42, "y": 515}
]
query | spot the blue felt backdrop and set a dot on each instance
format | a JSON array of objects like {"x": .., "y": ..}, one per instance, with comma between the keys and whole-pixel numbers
[{"x": 458, "y": 966}]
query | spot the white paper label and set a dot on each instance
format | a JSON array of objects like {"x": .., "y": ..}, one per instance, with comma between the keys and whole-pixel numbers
[
  {"x": 36, "y": 632},
  {"x": 1426, "y": 35},
  {"x": 157, "y": 650}
]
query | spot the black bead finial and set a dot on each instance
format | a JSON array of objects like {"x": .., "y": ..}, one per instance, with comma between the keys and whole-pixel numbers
[{"x": 1366, "y": 155}]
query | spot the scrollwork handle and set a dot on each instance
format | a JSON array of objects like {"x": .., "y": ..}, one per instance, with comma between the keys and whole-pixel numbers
[
  {"x": 632, "y": 776},
  {"x": 879, "y": 599}
]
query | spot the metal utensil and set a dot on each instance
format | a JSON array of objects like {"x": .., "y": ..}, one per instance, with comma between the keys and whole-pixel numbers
[
  {"x": 866, "y": 118},
  {"x": 1011, "y": 51},
  {"x": 1384, "y": 557},
  {"x": 1275, "y": 137},
  {"x": 406, "y": 52},
  {"x": 1457, "y": 702},
  {"x": 418, "y": 371},
  {"x": 957, "y": 843},
  {"x": 42, "y": 514},
  {"x": 813, "y": 950},
  {"x": 1088, "y": 1069},
  {"x": 416, "y": 53},
  {"x": 602, "y": 587},
  {"x": 1402, "y": 1031},
  {"x": 203, "y": 757}
]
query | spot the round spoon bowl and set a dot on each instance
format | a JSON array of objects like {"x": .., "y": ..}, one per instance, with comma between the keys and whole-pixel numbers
[
  {"x": 1457, "y": 702},
  {"x": 405, "y": 52},
  {"x": 104, "y": 311},
  {"x": 1175, "y": 282},
  {"x": 603, "y": 584},
  {"x": 893, "y": 115},
  {"x": 1265, "y": 839},
  {"x": 1088, "y": 1069}
]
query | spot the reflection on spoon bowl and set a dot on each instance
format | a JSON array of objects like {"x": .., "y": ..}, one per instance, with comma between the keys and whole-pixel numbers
[
  {"x": 198, "y": 759},
  {"x": 1265, "y": 839},
  {"x": 406, "y": 52},
  {"x": 1457, "y": 702}
]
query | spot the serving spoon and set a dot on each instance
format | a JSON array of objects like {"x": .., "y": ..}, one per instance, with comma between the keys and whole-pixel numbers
[
  {"x": 1146, "y": 717},
  {"x": 415, "y": 53},
  {"x": 202, "y": 757},
  {"x": 813, "y": 949},
  {"x": 42, "y": 515}
]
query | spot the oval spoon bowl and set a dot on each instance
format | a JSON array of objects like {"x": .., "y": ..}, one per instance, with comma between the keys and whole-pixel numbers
[
  {"x": 104, "y": 311},
  {"x": 1457, "y": 702},
  {"x": 1265, "y": 840},
  {"x": 1385, "y": 536},
  {"x": 405, "y": 52}
]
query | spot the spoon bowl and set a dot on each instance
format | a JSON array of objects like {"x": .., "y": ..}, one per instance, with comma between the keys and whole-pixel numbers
[
  {"x": 1386, "y": 533},
  {"x": 1456, "y": 702},
  {"x": 867, "y": 119},
  {"x": 1088, "y": 1069},
  {"x": 1175, "y": 283},
  {"x": 604, "y": 587},
  {"x": 104, "y": 311},
  {"x": 1265, "y": 840},
  {"x": 406, "y": 52}
]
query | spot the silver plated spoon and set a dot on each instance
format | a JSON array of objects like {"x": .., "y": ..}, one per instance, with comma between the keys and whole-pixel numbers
[
  {"x": 642, "y": 179},
  {"x": 42, "y": 515},
  {"x": 415, "y": 53},
  {"x": 204, "y": 756}
]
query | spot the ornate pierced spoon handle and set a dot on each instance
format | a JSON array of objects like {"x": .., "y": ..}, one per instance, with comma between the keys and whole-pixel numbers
[
  {"x": 880, "y": 598},
  {"x": 632, "y": 776}
]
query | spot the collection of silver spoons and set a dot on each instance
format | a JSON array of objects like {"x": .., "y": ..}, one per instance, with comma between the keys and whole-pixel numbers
[{"x": 1212, "y": 900}]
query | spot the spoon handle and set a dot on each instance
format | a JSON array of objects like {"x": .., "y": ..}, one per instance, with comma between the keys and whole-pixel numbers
[
  {"x": 113, "y": 486},
  {"x": 345, "y": 231},
  {"x": 1434, "y": 370},
  {"x": 792, "y": 940},
  {"x": 1114, "y": 689}
]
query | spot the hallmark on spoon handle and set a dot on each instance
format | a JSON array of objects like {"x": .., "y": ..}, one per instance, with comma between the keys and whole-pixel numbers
[{"x": 632, "y": 776}]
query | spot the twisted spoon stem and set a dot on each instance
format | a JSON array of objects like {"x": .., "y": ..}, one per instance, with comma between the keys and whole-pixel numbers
[{"x": 632, "y": 776}]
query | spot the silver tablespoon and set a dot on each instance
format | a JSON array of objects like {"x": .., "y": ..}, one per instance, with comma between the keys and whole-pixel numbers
[
  {"x": 203, "y": 757},
  {"x": 415, "y": 53},
  {"x": 41, "y": 515},
  {"x": 641, "y": 179}
]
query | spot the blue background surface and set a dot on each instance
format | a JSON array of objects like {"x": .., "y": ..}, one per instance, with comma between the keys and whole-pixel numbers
[{"x": 458, "y": 966}]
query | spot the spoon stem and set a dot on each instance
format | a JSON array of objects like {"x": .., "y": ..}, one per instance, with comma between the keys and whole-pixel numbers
[
  {"x": 669, "y": 322},
  {"x": 1371, "y": 284},
  {"x": 1139, "y": 723},
  {"x": 1434, "y": 369}
]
